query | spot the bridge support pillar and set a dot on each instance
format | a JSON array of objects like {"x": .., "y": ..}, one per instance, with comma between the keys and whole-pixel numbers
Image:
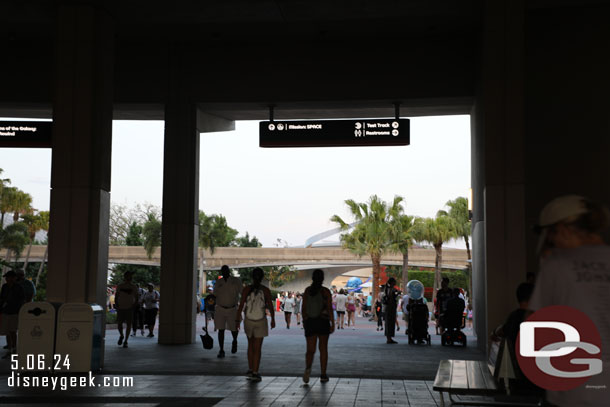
[{"x": 180, "y": 211}]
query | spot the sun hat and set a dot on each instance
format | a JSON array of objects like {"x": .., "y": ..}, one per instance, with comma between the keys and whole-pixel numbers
[{"x": 567, "y": 208}]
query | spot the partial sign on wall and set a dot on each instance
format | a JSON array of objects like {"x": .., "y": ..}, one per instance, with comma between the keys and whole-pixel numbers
[{"x": 25, "y": 134}]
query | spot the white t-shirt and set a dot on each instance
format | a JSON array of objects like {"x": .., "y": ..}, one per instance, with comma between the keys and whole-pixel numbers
[
  {"x": 227, "y": 292},
  {"x": 126, "y": 295},
  {"x": 289, "y": 304},
  {"x": 151, "y": 299},
  {"x": 341, "y": 300},
  {"x": 579, "y": 278}
]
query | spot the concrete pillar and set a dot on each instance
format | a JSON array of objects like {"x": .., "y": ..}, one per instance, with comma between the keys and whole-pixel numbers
[
  {"x": 498, "y": 167},
  {"x": 180, "y": 210},
  {"x": 80, "y": 170}
]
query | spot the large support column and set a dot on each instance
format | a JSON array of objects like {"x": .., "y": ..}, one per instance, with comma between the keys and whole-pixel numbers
[
  {"x": 80, "y": 173},
  {"x": 498, "y": 167},
  {"x": 180, "y": 211}
]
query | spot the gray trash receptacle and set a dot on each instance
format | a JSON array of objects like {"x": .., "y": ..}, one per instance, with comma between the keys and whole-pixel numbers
[
  {"x": 78, "y": 336},
  {"x": 36, "y": 336}
]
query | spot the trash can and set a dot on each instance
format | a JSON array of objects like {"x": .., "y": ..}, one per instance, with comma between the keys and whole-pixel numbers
[
  {"x": 78, "y": 337},
  {"x": 36, "y": 336}
]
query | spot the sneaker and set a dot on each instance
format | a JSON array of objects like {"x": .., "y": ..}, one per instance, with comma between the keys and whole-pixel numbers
[
  {"x": 125, "y": 344},
  {"x": 306, "y": 376},
  {"x": 256, "y": 377},
  {"x": 120, "y": 342},
  {"x": 221, "y": 354},
  {"x": 234, "y": 347},
  {"x": 249, "y": 374},
  {"x": 324, "y": 378}
]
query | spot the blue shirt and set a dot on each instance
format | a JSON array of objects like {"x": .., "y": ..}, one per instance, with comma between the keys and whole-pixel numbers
[{"x": 369, "y": 300}]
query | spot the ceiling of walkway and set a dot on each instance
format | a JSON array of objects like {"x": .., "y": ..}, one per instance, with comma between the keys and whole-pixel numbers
[{"x": 344, "y": 58}]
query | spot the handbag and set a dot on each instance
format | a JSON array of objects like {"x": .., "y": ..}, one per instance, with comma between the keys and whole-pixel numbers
[{"x": 206, "y": 340}]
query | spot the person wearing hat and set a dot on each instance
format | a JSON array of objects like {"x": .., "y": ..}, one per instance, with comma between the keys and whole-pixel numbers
[
  {"x": 28, "y": 287},
  {"x": 575, "y": 272},
  {"x": 12, "y": 297}
]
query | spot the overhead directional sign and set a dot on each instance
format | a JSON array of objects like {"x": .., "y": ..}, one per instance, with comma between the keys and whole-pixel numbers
[
  {"x": 334, "y": 133},
  {"x": 25, "y": 134}
]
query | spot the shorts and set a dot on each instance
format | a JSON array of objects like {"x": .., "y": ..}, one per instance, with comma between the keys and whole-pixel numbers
[
  {"x": 341, "y": 312},
  {"x": 316, "y": 327},
  {"x": 209, "y": 314},
  {"x": 150, "y": 316},
  {"x": 124, "y": 315},
  {"x": 256, "y": 329},
  {"x": 224, "y": 318},
  {"x": 9, "y": 323}
]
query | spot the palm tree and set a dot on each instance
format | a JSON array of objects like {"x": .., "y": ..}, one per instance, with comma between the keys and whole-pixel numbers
[
  {"x": 372, "y": 235},
  {"x": 14, "y": 239},
  {"x": 435, "y": 231},
  {"x": 22, "y": 204},
  {"x": 7, "y": 198},
  {"x": 402, "y": 237},
  {"x": 43, "y": 218},
  {"x": 151, "y": 233},
  {"x": 458, "y": 211},
  {"x": 33, "y": 224}
]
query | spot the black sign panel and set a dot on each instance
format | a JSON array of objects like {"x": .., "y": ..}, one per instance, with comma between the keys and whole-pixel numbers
[
  {"x": 25, "y": 134},
  {"x": 334, "y": 133}
]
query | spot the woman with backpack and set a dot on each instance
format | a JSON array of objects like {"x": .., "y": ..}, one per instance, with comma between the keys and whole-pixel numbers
[
  {"x": 319, "y": 323},
  {"x": 255, "y": 301}
]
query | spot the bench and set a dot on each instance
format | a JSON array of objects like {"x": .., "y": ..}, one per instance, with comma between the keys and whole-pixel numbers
[{"x": 479, "y": 378}]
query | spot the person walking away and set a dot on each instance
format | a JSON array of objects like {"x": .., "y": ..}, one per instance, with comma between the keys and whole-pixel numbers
[
  {"x": 575, "y": 272},
  {"x": 126, "y": 297},
  {"x": 341, "y": 302},
  {"x": 369, "y": 307},
  {"x": 297, "y": 307},
  {"x": 12, "y": 297},
  {"x": 319, "y": 323},
  {"x": 289, "y": 307},
  {"x": 350, "y": 307},
  {"x": 255, "y": 301},
  {"x": 210, "y": 306},
  {"x": 379, "y": 312},
  {"x": 28, "y": 287},
  {"x": 151, "y": 308},
  {"x": 390, "y": 302},
  {"x": 443, "y": 295},
  {"x": 138, "y": 313},
  {"x": 227, "y": 291}
]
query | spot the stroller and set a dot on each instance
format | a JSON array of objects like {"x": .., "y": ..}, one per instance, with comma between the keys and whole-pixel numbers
[
  {"x": 453, "y": 322},
  {"x": 418, "y": 321}
]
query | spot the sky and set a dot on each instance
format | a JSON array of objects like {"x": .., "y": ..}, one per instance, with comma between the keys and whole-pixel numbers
[{"x": 287, "y": 194}]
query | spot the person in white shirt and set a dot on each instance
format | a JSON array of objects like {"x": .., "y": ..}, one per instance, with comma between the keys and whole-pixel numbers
[
  {"x": 341, "y": 300},
  {"x": 227, "y": 291},
  {"x": 289, "y": 308},
  {"x": 125, "y": 299},
  {"x": 150, "y": 301},
  {"x": 575, "y": 272}
]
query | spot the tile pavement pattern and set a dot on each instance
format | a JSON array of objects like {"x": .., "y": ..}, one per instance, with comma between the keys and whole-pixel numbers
[{"x": 233, "y": 391}]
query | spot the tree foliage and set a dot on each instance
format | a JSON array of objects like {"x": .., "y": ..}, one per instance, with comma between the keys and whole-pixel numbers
[
  {"x": 373, "y": 234},
  {"x": 151, "y": 234}
]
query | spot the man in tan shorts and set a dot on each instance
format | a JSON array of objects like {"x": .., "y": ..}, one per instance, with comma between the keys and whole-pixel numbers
[{"x": 227, "y": 291}]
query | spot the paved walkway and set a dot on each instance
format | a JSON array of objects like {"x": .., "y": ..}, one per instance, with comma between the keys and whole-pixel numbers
[
  {"x": 233, "y": 391},
  {"x": 359, "y": 353}
]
